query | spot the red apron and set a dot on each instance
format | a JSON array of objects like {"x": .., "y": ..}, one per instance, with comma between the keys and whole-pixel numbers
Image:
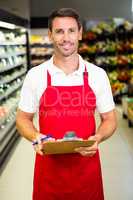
[{"x": 67, "y": 176}]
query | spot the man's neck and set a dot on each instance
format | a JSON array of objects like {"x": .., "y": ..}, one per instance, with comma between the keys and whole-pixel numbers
[{"x": 67, "y": 64}]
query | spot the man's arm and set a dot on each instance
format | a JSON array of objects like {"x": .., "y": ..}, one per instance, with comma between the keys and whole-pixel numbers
[
  {"x": 24, "y": 123},
  {"x": 107, "y": 126},
  {"x": 26, "y": 128},
  {"x": 105, "y": 130}
]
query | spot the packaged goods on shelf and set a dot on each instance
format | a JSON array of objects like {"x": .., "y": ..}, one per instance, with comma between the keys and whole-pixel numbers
[
  {"x": 13, "y": 67},
  {"x": 41, "y": 49}
]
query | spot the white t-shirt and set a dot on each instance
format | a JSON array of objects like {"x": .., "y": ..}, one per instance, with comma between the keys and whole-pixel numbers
[{"x": 36, "y": 82}]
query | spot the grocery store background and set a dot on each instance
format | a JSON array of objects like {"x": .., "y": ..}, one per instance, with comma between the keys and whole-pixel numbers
[{"x": 107, "y": 42}]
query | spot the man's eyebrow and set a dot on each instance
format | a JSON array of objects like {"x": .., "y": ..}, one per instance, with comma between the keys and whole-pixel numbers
[{"x": 57, "y": 29}]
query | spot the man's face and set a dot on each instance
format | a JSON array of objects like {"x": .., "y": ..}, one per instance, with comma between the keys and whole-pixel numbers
[{"x": 65, "y": 35}]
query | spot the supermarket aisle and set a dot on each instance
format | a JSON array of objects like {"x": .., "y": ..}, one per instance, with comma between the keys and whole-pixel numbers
[
  {"x": 117, "y": 164},
  {"x": 16, "y": 178}
]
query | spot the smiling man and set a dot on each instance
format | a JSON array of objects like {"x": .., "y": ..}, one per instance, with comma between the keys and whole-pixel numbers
[{"x": 65, "y": 91}]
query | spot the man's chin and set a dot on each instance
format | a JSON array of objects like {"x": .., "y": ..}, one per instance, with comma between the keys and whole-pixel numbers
[{"x": 67, "y": 54}]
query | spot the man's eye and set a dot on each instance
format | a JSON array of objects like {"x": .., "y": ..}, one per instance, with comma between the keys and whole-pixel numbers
[
  {"x": 58, "y": 31},
  {"x": 72, "y": 30}
]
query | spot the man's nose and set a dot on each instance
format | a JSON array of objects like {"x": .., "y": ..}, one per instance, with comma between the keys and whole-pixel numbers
[{"x": 66, "y": 36}]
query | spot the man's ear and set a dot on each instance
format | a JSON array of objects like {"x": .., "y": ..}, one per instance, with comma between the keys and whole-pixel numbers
[
  {"x": 80, "y": 33},
  {"x": 50, "y": 34}
]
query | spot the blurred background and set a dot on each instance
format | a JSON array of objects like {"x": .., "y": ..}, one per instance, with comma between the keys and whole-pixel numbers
[{"x": 24, "y": 43}]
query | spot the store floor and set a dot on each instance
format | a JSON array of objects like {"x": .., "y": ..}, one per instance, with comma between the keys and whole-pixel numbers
[{"x": 117, "y": 166}]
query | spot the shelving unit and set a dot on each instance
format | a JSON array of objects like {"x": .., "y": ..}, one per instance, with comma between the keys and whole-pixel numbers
[
  {"x": 110, "y": 45},
  {"x": 13, "y": 67},
  {"x": 41, "y": 49},
  {"x": 130, "y": 116}
]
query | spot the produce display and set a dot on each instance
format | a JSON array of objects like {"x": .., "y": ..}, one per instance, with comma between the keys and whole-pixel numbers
[{"x": 109, "y": 45}]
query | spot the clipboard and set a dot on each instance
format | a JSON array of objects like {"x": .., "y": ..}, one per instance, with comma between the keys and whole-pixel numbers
[{"x": 64, "y": 147}]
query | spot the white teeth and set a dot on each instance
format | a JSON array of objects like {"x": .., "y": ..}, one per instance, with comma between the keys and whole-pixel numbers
[{"x": 66, "y": 45}]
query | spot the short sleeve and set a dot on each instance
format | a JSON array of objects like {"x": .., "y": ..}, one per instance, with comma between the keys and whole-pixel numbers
[
  {"x": 104, "y": 100},
  {"x": 28, "y": 97}
]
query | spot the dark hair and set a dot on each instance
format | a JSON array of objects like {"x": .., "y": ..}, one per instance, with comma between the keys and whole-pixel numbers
[{"x": 64, "y": 12}]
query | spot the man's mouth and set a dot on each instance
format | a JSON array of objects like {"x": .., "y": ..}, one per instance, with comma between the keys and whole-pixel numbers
[{"x": 66, "y": 45}]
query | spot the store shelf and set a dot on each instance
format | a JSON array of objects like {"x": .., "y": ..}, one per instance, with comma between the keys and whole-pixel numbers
[
  {"x": 7, "y": 116},
  {"x": 12, "y": 44},
  {"x": 9, "y": 135},
  {"x": 10, "y": 55},
  {"x": 110, "y": 46},
  {"x": 93, "y": 37},
  {"x": 41, "y": 49},
  {"x": 40, "y": 56},
  {"x": 13, "y": 78},
  {"x": 7, "y": 128},
  {"x": 107, "y": 53},
  {"x": 14, "y": 63},
  {"x": 7, "y": 68},
  {"x": 38, "y": 45},
  {"x": 8, "y": 93}
]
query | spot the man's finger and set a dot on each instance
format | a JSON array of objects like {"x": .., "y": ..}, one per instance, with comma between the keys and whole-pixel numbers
[{"x": 85, "y": 153}]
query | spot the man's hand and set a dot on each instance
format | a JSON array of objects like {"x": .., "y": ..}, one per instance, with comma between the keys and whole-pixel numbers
[
  {"x": 38, "y": 149},
  {"x": 89, "y": 151},
  {"x": 40, "y": 142}
]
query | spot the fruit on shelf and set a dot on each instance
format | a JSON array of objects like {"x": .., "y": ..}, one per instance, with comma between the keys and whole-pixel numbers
[
  {"x": 123, "y": 75},
  {"x": 131, "y": 43},
  {"x": 131, "y": 73},
  {"x": 128, "y": 25},
  {"x": 106, "y": 26},
  {"x": 83, "y": 48},
  {"x": 100, "y": 47},
  {"x": 39, "y": 39},
  {"x": 127, "y": 46},
  {"x": 124, "y": 46},
  {"x": 97, "y": 30},
  {"x": 113, "y": 76},
  {"x": 122, "y": 60},
  {"x": 103, "y": 28},
  {"x": 100, "y": 61},
  {"x": 112, "y": 60},
  {"x": 89, "y": 36},
  {"x": 119, "y": 46},
  {"x": 130, "y": 58},
  {"x": 111, "y": 46},
  {"x": 119, "y": 88}
]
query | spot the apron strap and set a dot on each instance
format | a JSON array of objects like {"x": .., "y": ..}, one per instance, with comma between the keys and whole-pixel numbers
[
  {"x": 85, "y": 76},
  {"x": 48, "y": 79}
]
